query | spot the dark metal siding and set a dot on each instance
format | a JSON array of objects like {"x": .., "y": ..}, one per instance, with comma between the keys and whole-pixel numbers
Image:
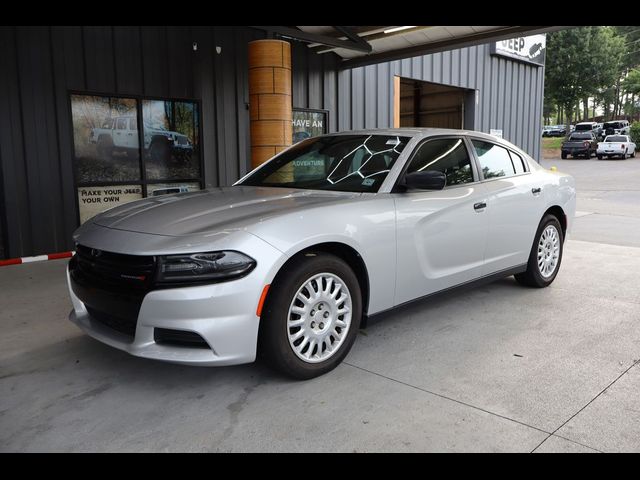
[
  {"x": 509, "y": 94},
  {"x": 314, "y": 81},
  {"x": 38, "y": 67}
]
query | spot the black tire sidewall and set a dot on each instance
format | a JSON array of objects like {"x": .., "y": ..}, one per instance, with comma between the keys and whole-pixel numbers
[
  {"x": 273, "y": 343},
  {"x": 533, "y": 257}
]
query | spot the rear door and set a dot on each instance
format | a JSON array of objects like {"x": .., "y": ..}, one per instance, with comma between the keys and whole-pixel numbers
[
  {"x": 120, "y": 132},
  {"x": 441, "y": 235},
  {"x": 514, "y": 205}
]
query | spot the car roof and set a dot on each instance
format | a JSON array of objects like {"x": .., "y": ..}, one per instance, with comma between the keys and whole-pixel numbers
[
  {"x": 420, "y": 133},
  {"x": 416, "y": 132}
]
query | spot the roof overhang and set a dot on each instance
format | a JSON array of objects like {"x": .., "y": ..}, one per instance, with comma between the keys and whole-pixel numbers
[{"x": 365, "y": 45}]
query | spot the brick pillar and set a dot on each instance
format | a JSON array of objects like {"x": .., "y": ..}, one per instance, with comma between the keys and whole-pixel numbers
[{"x": 269, "y": 98}]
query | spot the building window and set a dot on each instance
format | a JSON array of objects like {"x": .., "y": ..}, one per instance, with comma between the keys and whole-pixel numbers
[{"x": 117, "y": 162}]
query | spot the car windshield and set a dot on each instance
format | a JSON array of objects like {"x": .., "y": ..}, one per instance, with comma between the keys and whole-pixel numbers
[
  {"x": 348, "y": 163},
  {"x": 584, "y": 127},
  {"x": 616, "y": 138},
  {"x": 580, "y": 136}
]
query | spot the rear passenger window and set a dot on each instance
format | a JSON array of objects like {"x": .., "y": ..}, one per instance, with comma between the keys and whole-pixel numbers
[
  {"x": 446, "y": 155},
  {"x": 494, "y": 160},
  {"x": 518, "y": 163}
]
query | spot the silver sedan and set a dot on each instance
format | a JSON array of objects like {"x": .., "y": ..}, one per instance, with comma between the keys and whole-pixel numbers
[{"x": 295, "y": 257}]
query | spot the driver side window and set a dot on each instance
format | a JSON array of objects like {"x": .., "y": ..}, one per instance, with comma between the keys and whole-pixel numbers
[{"x": 446, "y": 155}]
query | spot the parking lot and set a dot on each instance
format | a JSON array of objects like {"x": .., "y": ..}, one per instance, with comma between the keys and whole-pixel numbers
[{"x": 499, "y": 368}]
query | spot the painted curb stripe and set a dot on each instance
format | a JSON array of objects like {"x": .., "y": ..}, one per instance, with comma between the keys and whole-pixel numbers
[{"x": 37, "y": 258}]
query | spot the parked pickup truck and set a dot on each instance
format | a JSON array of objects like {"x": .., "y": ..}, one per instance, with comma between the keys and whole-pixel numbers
[
  {"x": 120, "y": 134},
  {"x": 580, "y": 144},
  {"x": 616, "y": 146}
]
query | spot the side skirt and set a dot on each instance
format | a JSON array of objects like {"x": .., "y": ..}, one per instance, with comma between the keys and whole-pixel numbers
[{"x": 456, "y": 288}]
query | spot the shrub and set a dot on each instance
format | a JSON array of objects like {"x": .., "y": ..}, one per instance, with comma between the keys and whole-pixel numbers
[{"x": 635, "y": 134}]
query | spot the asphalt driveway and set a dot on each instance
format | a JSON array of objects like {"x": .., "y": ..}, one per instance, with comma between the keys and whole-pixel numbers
[{"x": 499, "y": 368}]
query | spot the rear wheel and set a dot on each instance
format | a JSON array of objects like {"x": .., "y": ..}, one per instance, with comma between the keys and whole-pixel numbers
[
  {"x": 311, "y": 317},
  {"x": 546, "y": 254},
  {"x": 563, "y": 156},
  {"x": 160, "y": 152},
  {"x": 105, "y": 148}
]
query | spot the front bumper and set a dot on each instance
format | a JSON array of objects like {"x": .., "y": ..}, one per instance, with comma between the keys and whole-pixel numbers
[
  {"x": 222, "y": 314},
  {"x": 219, "y": 314}
]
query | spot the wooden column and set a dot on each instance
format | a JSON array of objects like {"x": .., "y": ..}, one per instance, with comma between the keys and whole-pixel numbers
[{"x": 269, "y": 98}]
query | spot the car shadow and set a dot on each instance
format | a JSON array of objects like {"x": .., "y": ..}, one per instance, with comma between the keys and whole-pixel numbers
[{"x": 83, "y": 358}]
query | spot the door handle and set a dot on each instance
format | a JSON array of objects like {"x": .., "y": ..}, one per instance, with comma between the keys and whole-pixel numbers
[
  {"x": 536, "y": 190},
  {"x": 479, "y": 205}
]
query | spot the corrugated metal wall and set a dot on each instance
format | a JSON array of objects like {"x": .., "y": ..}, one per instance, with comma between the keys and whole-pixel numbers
[
  {"x": 509, "y": 93},
  {"x": 40, "y": 65}
]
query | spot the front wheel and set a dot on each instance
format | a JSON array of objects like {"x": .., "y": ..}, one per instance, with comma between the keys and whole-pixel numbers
[
  {"x": 311, "y": 317},
  {"x": 563, "y": 156},
  {"x": 546, "y": 255},
  {"x": 599, "y": 157}
]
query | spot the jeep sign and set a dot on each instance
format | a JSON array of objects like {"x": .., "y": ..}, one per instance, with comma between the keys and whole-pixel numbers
[{"x": 530, "y": 49}]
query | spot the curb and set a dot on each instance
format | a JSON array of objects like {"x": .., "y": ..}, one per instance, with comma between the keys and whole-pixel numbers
[{"x": 38, "y": 258}]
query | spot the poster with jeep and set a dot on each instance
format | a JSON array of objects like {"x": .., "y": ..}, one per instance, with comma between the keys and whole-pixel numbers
[
  {"x": 170, "y": 139},
  {"x": 112, "y": 152},
  {"x": 105, "y": 139}
]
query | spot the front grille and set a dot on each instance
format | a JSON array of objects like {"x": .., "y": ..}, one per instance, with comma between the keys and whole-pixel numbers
[
  {"x": 112, "y": 285},
  {"x": 126, "y": 326},
  {"x": 114, "y": 270},
  {"x": 180, "y": 338}
]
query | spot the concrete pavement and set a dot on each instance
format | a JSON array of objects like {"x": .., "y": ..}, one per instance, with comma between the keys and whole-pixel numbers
[
  {"x": 608, "y": 199},
  {"x": 499, "y": 368}
]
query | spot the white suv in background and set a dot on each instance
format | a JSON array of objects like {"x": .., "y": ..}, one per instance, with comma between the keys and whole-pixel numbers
[{"x": 617, "y": 127}]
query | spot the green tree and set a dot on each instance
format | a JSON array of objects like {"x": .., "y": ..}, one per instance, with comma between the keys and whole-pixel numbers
[
  {"x": 580, "y": 63},
  {"x": 635, "y": 134},
  {"x": 631, "y": 86}
]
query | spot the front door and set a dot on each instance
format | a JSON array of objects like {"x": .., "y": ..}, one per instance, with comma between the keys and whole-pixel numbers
[{"x": 441, "y": 235}]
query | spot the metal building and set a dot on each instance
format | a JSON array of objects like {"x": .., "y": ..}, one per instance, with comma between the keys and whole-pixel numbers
[{"x": 82, "y": 108}]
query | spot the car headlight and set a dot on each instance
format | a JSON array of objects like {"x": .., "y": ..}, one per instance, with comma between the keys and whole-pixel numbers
[{"x": 204, "y": 267}]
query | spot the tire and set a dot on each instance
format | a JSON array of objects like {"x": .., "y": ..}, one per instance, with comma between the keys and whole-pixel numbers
[
  {"x": 599, "y": 157},
  {"x": 277, "y": 336},
  {"x": 563, "y": 156},
  {"x": 105, "y": 148},
  {"x": 633, "y": 154},
  {"x": 534, "y": 276},
  {"x": 160, "y": 152}
]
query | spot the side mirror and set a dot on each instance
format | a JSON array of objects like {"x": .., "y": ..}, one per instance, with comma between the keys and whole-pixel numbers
[{"x": 428, "y": 180}]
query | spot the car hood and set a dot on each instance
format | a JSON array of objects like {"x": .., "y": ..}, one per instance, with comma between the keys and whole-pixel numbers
[{"x": 211, "y": 211}]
